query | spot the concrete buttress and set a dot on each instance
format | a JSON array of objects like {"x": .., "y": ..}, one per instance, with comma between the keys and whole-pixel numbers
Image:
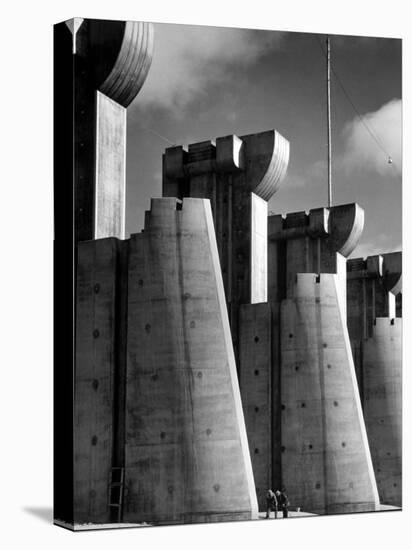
[
  {"x": 187, "y": 456},
  {"x": 239, "y": 175},
  {"x": 99, "y": 68},
  {"x": 375, "y": 331},
  {"x": 324, "y": 454}
]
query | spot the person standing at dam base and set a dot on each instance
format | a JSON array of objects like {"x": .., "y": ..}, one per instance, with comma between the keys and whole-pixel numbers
[
  {"x": 271, "y": 503},
  {"x": 283, "y": 502}
]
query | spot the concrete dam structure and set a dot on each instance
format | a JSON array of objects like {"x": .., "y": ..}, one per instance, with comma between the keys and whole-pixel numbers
[
  {"x": 156, "y": 388},
  {"x": 291, "y": 247},
  {"x": 220, "y": 351},
  {"x": 99, "y": 68},
  {"x": 375, "y": 330}
]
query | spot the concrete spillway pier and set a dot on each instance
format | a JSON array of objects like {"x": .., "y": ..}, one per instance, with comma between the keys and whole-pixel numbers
[
  {"x": 239, "y": 175},
  {"x": 160, "y": 398},
  {"x": 187, "y": 456},
  {"x": 99, "y": 68},
  {"x": 318, "y": 425},
  {"x": 375, "y": 331}
]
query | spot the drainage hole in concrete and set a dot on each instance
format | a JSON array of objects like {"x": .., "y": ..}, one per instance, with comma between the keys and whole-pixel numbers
[
  {"x": 256, "y": 373},
  {"x": 256, "y": 339}
]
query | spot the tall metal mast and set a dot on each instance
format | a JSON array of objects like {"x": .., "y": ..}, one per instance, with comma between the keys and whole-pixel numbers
[{"x": 329, "y": 122}]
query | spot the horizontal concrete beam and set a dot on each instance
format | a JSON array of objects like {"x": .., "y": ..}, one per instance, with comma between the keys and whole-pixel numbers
[
  {"x": 342, "y": 225},
  {"x": 263, "y": 157}
]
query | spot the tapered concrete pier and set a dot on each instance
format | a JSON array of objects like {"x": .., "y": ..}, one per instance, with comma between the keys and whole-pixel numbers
[
  {"x": 99, "y": 68},
  {"x": 325, "y": 461},
  {"x": 187, "y": 454},
  {"x": 375, "y": 331}
]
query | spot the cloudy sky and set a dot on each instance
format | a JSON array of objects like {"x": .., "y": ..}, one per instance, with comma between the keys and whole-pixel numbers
[{"x": 207, "y": 82}]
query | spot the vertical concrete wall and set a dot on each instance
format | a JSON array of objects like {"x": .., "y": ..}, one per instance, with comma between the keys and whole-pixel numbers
[
  {"x": 238, "y": 175},
  {"x": 324, "y": 454},
  {"x": 255, "y": 377},
  {"x": 110, "y": 59},
  {"x": 187, "y": 456},
  {"x": 97, "y": 349},
  {"x": 109, "y": 66},
  {"x": 375, "y": 335},
  {"x": 326, "y": 463},
  {"x": 110, "y": 170},
  {"x": 382, "y": 371}
]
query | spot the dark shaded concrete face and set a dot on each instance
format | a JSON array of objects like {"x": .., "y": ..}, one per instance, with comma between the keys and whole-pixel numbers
[
  {"x": 375, "y": 326},
  {"x": 117, "y": 56}
]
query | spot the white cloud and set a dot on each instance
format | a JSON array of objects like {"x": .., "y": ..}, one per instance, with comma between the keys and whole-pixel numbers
[
  {"x": 362, "y": 151},
  {"x": 187, "y": 59}
]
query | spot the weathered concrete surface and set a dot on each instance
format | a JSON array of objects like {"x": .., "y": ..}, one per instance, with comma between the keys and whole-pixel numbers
[
  {"x": 99, "y": 67},
  {"x": 95, "y": 395},
  {"x": 326, "y": 463},
  {"x": 324, "y": 453},
  {"x": 187, "y": 456},
  {"x": 382, "y": 372},
  {"x": 255, "y": 377},
  {"x": 238, "y": 175},
  {"x": 110, "y": 175},
  {"x": 109, "y": 67},
  {"x": 375, "y": 335}
]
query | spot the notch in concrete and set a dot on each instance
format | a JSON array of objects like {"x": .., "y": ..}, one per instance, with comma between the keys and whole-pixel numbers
[
  {"x": 160, "y": 205},
  {"x": 374, "y": 265},
  {"x": 229, "y": 154}
]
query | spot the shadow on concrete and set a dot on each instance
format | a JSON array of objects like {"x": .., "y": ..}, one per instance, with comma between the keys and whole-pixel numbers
[{"x": 41, "y": 512}]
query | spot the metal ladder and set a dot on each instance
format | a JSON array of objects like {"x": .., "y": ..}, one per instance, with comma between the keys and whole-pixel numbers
[{"x": 116, "y": 484}]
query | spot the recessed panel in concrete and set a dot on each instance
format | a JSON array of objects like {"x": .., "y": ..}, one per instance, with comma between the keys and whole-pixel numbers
[
  {"x": 255, "y": 386},
  {"x": 94, "y": 379}
]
